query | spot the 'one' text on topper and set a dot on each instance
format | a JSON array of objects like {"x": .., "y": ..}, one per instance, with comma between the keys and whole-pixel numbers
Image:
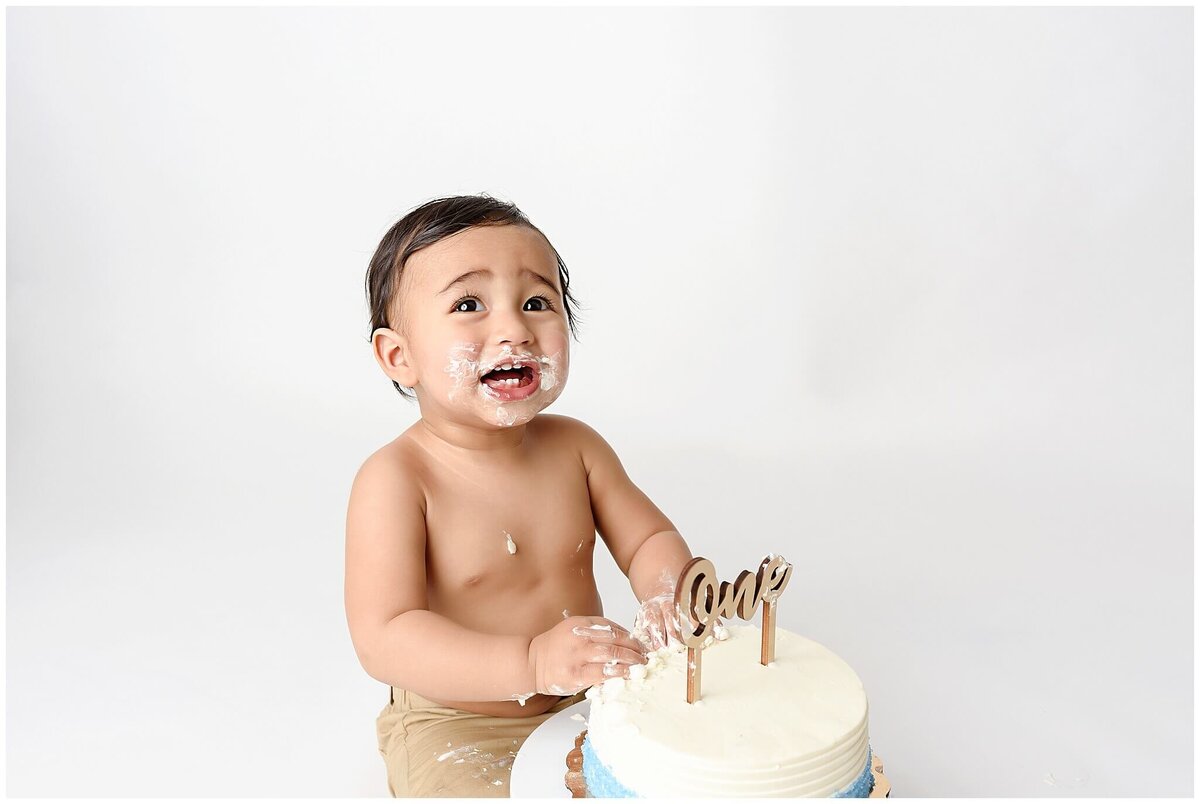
[{"x": 700, "y": 600}]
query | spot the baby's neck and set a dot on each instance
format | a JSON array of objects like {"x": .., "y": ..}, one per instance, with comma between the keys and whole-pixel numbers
[{"x": 469, "y": 438}]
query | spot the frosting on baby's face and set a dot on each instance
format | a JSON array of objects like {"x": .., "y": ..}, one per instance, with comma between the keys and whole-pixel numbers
[
  {"x": 508, "y": 389},
  {"x": 486, "y": 326}
]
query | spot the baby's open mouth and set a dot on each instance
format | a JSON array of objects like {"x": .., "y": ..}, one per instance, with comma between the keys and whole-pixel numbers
[{"x": 504, "y": 379}]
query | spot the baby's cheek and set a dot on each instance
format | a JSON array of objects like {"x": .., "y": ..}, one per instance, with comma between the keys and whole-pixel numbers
[
  {"x": 554, "y": 373},
  {"x": 462, "y": 369},
  {"x": 559, "y": 350}
]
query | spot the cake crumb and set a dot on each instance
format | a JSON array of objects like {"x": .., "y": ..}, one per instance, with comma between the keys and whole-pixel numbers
[{"x": 512, "y": 546}]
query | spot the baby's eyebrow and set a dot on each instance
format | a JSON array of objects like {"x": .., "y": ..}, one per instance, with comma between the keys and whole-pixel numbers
[{"x": 486, "y": 272}]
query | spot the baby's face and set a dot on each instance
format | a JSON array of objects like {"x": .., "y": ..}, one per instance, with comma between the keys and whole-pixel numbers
[{"x": 483, "y": 299}]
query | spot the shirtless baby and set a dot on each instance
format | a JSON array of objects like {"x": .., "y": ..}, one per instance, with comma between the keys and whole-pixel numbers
[{"x": 469, "y": 538}]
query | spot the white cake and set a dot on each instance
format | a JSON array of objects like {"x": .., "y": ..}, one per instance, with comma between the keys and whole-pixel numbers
[{"x": 796, "y": 727}]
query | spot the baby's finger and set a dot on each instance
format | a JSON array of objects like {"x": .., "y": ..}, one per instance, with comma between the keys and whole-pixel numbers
[
  {"x": 616, "y": 627},
  {"x": 593, "y": 674},
  {"x": 657, "y": 628},
  {"x": 655, "y": 636},
  {"x": 627, "y": 642},
  {"x": 611, "y": 652},
  {"x": 595, "y": 631},
  {"x": 610, "y": 669},
  {"x": 629, "y": 654},
  {"x": 614, "y": 669},
  {"x": 599, "y": 628}
]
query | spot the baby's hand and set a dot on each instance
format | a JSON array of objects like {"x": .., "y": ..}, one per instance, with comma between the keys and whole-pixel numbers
[
  {"x": 579, "y": 652},
  {"x": 656, "y": 622}
]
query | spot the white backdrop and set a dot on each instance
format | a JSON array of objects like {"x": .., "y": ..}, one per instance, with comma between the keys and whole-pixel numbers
[{"x": 903, "y": 294}]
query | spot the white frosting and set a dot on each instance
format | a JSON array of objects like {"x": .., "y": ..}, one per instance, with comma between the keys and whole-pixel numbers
[
  {"x": 797, "y": 727},
  {"x": 462, "y": 364},
  {"x": 465, "y": 366}
]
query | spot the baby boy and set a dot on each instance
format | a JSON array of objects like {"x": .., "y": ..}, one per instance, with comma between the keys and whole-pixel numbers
[{"x": 469, "y": 538}]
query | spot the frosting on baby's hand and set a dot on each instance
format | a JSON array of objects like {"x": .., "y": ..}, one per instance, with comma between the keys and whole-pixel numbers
[{"x": 656, "y": 625}]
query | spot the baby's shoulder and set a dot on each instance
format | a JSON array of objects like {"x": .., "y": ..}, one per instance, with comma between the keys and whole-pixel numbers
[
  {"x": 395, "y": 466},
  {"x": 566, "y": 427},
  {"x": 568, "y": 432}
]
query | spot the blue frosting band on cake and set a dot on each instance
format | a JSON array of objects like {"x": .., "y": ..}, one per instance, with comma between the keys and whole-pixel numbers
[
  {"x": 601, "y": 784},
  {"x": 863, "y": 785}
]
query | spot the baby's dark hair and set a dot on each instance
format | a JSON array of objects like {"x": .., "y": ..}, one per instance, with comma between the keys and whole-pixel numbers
[{"x": 427, "y": 224}]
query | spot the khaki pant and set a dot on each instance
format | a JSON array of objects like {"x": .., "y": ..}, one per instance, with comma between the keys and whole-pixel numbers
[{"x": 434, "y": 750}]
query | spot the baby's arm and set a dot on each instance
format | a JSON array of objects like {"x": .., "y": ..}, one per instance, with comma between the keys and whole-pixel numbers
[
  {"x": 401, "y": 643},
  {"x": 642, "y": 540}
]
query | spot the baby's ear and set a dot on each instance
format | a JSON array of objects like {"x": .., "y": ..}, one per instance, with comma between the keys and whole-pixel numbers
[{"x": 392, "y": 354}]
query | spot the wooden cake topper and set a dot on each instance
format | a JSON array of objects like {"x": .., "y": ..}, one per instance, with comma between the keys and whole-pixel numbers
[{"x": 699, "y": 601}]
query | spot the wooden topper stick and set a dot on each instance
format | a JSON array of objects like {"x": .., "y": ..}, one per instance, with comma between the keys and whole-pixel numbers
[
  {"x": 697, "y": 585},
  {"x": 768, "y": 633},
  {"x": 772, "y": 577},
  {"x": 693, "y": 674}
]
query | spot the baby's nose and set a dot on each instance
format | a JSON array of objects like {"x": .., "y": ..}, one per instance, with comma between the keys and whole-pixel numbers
[{"x": 513, "y": 332}]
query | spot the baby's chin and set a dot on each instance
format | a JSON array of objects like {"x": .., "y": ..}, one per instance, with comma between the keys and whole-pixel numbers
[{"x": 502, "y": 413}]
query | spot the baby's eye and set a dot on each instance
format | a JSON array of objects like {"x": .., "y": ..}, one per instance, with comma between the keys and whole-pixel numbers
[
  {"x": 466, "y": 305},
  {"x": 539, "y": 302}
]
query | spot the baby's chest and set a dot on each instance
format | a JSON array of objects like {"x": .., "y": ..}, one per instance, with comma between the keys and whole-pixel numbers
[{"x": 502, "y": 523}]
